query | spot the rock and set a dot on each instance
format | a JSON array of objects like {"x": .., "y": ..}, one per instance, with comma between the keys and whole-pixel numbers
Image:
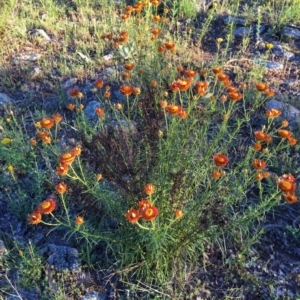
[
  {"x": 27, "y": 58},
  {"x": 237, "y": 21},
  {"x": 35, "y": 73},
  {"x": 94, "y": 296},
  {"x": 84, "y": 57},
  {"x": 90, "y": 110},
  {"x": 289, "y": 112},
  {"x": 281, "y": 52},
  {"x": 271, "y": 65},
  {"x": 108, "y": 56},
  {"x": 117, "y": 96},
  {"x": 62, "y": 257},
  {"x": 291, "y": 33},
  {"x": 5, "y": 100},
  {"x": 42, "y": 33},
  {"x": 70, "y": 82},
  {"x": 242, "y": 32},
  {"x": 125, "y": 126}
]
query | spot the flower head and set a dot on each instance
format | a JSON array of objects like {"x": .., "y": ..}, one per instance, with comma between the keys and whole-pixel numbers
[
  {"x": 286, "y": 185},
  {"x": 47, "y": 206},
  {"x": 259, "y": 164},
  {"x": 62, "y": 169},
  {"x": 100, "y": 112},
  {"x": 79, "y": 220},
  {"x": 61, "y": 188},
  {"x": 57, "y": 118},
  {"x": 47, "y": 123},
  {"x": 149, "y": 189},
  {"x": 178, "y": 213},
  {"x": 75, "y": 93},
  {"x": 126, "y": 89},
  {"x": 290, "y": 198},
  {"x": 285, "y": 134},
  {"x": 143, "y": 205},
  {"x": 34, "y": 218},
  {"x": 220, "y": 160},
  {"x": 132, "y": 215},
  {"x": 98, "y": 84},
  {"x": 150, "y": 213},
  {"x": 67, "y": 158},
  {"x": 261, "y": 87},
  {"x": 273, "y": 113},
  {"x": 262, "y": 136},
  {"x": 216, "y": 174}
]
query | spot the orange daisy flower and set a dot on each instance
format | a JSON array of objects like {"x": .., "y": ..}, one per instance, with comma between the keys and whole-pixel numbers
[
  {"x": 61, "y": 188},
  {"x": 75, "y": 93},
  {"x": 178, "y": 213},
  {"x": 285, "y": 134},
  {"x": 149, "y": 189},
  {"x": 261, "y": 136},
  {"x": 273, "y": 113},
  {"x": 62, "y": 169},
  {"x": 216, "y": 174},
  {"x": 259, "y": 164},
  {"x": 286, "y": 185},
  {"x": 290, "y": 198},
  {"x": 47, "y": 123},
  {"x": 132, "y": 215},
  {"x": 98, "y": 84},
  {"x": 126, "y": 89},
  {"x": 35, "y": 218},
  {"x": 261, "y": 87},
  {"x": 47, "y": 206},
  {"x": 220, "y": 160},
  {"x": 150, "y": 213},
  {"x": 67, "y": 158},
  {"x": 79, "y": 220},
  {"x": 217, "y": 70},
  {"x": 57, "y": 118}
]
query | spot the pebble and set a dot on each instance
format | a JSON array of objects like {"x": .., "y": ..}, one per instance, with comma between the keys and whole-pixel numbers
[
  {"x": 42, "y": 33},
  {"x": 26, "y": 58},
  {"x": 290, "y": 32},
  {"x": 242, "y": 32},
  {"x": 70, "y": 82},
  {"x": 238, "y": 21},
  {"x": 94, "y": 296},
  {"x": 281, "y": 52}
]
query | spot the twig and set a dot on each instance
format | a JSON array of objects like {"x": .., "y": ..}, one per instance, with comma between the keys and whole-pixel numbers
[{"x": 10, "y": 283}]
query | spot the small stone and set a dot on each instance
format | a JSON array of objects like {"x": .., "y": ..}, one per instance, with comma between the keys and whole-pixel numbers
[
  {"x": 94, "y": 296},
  {"x": 238, "y": 21},
  {"x": 242, "y": 32},
  {"x": 271, "y": 65},
  {"x": 70, "y": 82},
  {"x": 35, "y": 73},
  {"x": 290, "y": 32},
  {"x": 42, "y": 33},
  {"x": 108, "y": 56},
  {"x": 27, "y": 58},
  {"x": 5, "y": 100},
  {"x": 281, "y": 52},
  {"x": 90, "y": 110}
]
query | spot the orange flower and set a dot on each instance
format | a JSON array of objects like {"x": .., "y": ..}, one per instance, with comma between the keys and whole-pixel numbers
[
  {"x": 170, "y": 45},
  {"x": 284, "y": 123},
  {"x": 285, "y": 134},
  {"x": 79, "y": 220},
  {"x": 71, "y": 106},
  {"x": 201, "y": 84},
  {"x": 98, "y": 84},
  {"x": 259, "y": 176},
  {"x": 125, "y": 16},
  {"x": 234, "y": 96},
  {"x": 222, "y": 77},
  {"x": 173, "y": 109},
  {"x": 76, "y": 151},
  {"x": 183, "y": 114},
  {"x": 156, "y": 18},
  {"x": 243, "y": 86},
  {"x": 261, "y": 87},
  {"x": 61, "y": 188},
  {"x": 163, "y": 103},
  {"x": 220, "y": 160},
  {"x": 190, "y": 73},
  {"x": 132, "y": 215},
  {"x": 62, "y": 169},
  {"x": 129, "y": 66},
  {"x": 232, "y": 89},
  {"x": 216, "y": 174},
  {"x": 67, "y": 158},
  {"x": 35, "y": 218},
  {"x": 270, "y": 93},
  {"x": 99, "y": 176},
  {"x": 100, "y": 112},
  {"x": 155, "y": 2},
  {"x": 266, "y": 174},
  {"x": 155, "y": 31},
  {"x": 126, "y": 89},
  {"x": 32, "y": 142},
  {"x": 261, "y": 136},
  {"x": 44, "y": 136},
  {"x": 57, "y": 118},
  {"x": 217, "y": 70},
  {"x": 75, "y": 93},
  {"x": 201, "y": 91},
  {"x": 47, "y": 123},
  {"x": 290, "y": 198},
  {"x": 257, "y": 146},
  {"x": 136, "y": 90},
  {"x": 289, "y": 177},
  {"x": 143, "y": 205},
  {"x": 292, "y": 141},
  {"x": 107, "y": 94},
  {"x": 178, "y": 213},
  {"x": 47, "y": 206},
  {"x": 286, "y": 185},
  {"x": 149, "y": 189},
  {"x": 181, "y": 84},
  {"x": 259, "y": 164},
  {"x": 150, "y": 213},
  {"x": 118, "y": 106},
  {"x": 273, "y": 113},
  {"x": 223, "y": 98},
  {"x": 161, "y": 48}
]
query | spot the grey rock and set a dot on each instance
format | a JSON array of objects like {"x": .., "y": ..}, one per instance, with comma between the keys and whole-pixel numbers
[
  {"x": 289, "y": 112},
  {"x": 281, "y": 52},
  {"x": 90, "y": 110},
  {"x": 70, "y": 82},
  {"x": 242, "y": 32},
  {"x": 94, "y": 296},
  {"x": 62, "y": 257},
  {"x": 26, "y": 58},
  {"x": 108, "y": 56},
  {"x": 271, "y": 65},
  {"x": 5, "y": 100},
  {"x": 290, "y": 32},
  {"x": 237, "y": 21},
  {"x": 35, "y": 73},
  {"x": 125, "y": 126},
  {"x": 117, "y": 96},
  {"x": 42, "y": 33}
]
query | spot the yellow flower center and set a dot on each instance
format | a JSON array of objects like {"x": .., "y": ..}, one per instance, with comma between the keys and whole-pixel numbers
[
  {"x": 149, "y": 212},
  {"x": 46, "y": 205},
  {"x": 287, "y": 184}
]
